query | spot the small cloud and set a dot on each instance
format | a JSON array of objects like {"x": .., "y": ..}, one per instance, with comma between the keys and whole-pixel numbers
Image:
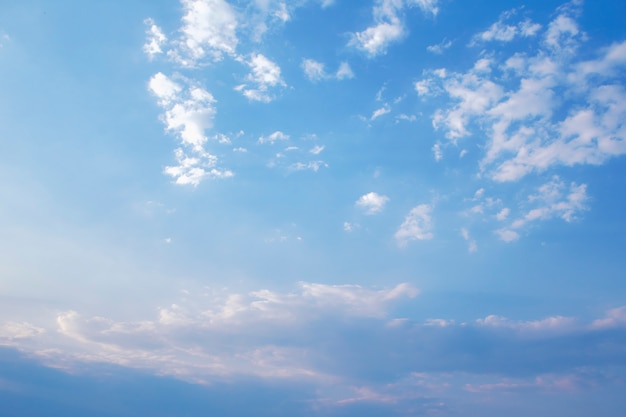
[
  {"x": 437, "y": 152},
  {"x": 313, "y": 70},
  {"x": 440, "y": 47},
  {"x": 155, "y": 39},
  {"x": 264, "y": 74},
  {"x": 344, "y": 72},
  {"x": 503, "y": 214},
  {"x": 311, "y": 165},
  {"x": 406, "y": 117},
  {"x": 417, "y": 225},
  {"x": 316, "y": 150},
  {"x": 350, "y": 227},
  {"x": 379, "y": 112},
  {"x": 372, "y": 203},
  {"x": 278, "y": 135},
  {"x": 507, "y": 235}
]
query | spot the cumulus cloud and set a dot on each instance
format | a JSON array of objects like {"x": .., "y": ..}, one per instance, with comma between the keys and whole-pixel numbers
[
  {"x": 188, "y": 113},
  {"x": 208, "y": 31},
  {"x": 372, "y": 203},
  {"x": 388, "y": 27},
  {"x": 155, "y": 39},
  {"x": 516, "y": 104},
  {"x": 417, "y": 225},
  {"x": 273, "y": 137},
  {"x": 264, "y": 75}
]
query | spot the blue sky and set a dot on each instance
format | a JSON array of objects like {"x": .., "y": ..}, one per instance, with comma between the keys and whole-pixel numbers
[{"x": 390, "y": 207}]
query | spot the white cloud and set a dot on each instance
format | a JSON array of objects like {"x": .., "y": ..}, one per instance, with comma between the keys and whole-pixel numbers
[
  {"x": 311, "y": 165},
  {"x": 212, "y": 334},
  {"x": 278, "y": 135},
  {"x": 518, "y": 106},
  {"x": 372, "y": 203},
  {"x": 155, "y": 39},
  {"x": 313, "y": 70},
  {"x": 380, "y": 112},
  {"x": 209, "y": 30},
  {"x": 350, "y": 227},
  {"x": 554, "y": 199},
  {"x": 427, "y": 6},
  {"x": 417, "y": 225},
  {"x": 614, "y": 318},
  {"x": 265, "y": 74},
  {"x": 189, "y": 113},
  {"x": 387, "y": 29},
  {"x": 19, "y": 330},
  {"x": 437, "y": 152},
  {"x": 344, "y": 71},
  {"x": 503, "y": 214},
  {"x": 507, "y": 235},
  {"x": 440, "y": 47},
  {"x": 504, "y": 32},
  {"x": 282, "y": 13},
  {"x": 551, "y": 325},
  {"x": 472, "y": 246},
  {"x": 317, "y": 149},
  {"x": 191, "y": 170}
]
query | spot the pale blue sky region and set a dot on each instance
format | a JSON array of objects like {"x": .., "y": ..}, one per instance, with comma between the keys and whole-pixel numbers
[{"x": 337, "y": 208}]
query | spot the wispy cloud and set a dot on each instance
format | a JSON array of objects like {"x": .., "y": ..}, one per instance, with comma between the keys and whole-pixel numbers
[{"x": 417, "y": 225}]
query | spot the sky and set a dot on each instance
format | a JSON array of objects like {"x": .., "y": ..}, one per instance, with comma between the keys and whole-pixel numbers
[{"x": 312, "y": 207}]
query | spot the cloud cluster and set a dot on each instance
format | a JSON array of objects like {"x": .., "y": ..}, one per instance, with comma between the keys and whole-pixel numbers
[
  {"x": 517, "y": 103},
  {"x": 188, "y": 112},
  {"x": 388, "y": 27},
  {"x": 344, "y": 339}
]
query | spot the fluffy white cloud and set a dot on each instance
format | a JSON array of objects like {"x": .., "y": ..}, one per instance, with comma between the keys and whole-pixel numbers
[
  {"x": 518, "y": 106},
  {"x": 192, "y": 170},
  {"x": 313, "y": 70},
  {"x": 417, "y": 225},
  {"x": 155, "y": 39},
  {"x": 388, "y": 27},
  {"x": 372, "y": 203},
  {"x": 209, "y": 30},
  {"x": 264, "y": 75},
  {"x": 188, "y": 112}
]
